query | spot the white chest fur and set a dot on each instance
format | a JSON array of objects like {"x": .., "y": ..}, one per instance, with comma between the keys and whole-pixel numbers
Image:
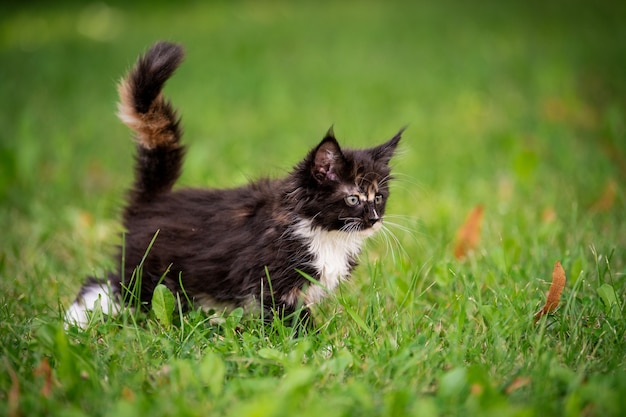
[{"x": 332, "y": 252}]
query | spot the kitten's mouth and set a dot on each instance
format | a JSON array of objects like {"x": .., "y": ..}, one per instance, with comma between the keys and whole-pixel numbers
[
  {"x": 377, "y": 225},
  {"x": 364, "y": 227}
]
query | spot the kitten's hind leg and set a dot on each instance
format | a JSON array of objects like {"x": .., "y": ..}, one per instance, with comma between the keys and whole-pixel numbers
[{"x": 94, "y": 295}]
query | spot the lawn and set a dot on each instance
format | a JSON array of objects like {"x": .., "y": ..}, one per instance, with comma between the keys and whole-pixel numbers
[{"x": 516, "y": 108}]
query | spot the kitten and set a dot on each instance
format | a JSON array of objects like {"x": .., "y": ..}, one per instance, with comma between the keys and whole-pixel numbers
[{"x": 251, "y": 246}]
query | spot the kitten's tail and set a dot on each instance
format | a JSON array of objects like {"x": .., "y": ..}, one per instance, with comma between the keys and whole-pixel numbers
[{"x": 154, "y": 120}]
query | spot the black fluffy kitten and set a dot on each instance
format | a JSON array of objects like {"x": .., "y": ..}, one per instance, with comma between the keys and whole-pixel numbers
[{"x": 249, "y": 246}]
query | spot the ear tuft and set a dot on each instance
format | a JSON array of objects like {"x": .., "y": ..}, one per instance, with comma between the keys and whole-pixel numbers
[
  {"x": 385, "y": 152},
  {"x": 331, "y": 133},
  {"x": 328, "y": 160}
]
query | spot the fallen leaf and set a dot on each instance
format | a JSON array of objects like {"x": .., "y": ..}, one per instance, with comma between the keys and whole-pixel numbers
[
  {"x": 85, "y": 219},
  {"x": 548, "y": 215},
  {"x": 606, "y": 201},
  {"x": 554, "y": 294},
  {"x": 554, "y": 109},
  {"x": 468, "y": 235},
  {"x": 506, "y": 189},
  {"x": 517, "y": 383},
  {"x": 128, "y": 394},
  {"x": 477, "y": 389},
  {"x": 45, "y": 371},
  {"x": 558, "y": 110},
  {"x": 14, "y": 394}
]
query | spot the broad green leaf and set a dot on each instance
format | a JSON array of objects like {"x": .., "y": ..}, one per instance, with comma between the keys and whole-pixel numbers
[
  {"x": 609, "y": 298},
  {"x": 453, "y": 384},
  {"x": 212, "y": 370},
  {"x": 163, "y": 304},
  {"x": 272, "y": 354},
  {"x": 235, "y": 316},
  {"x": 296, "y": 379},
  {"x": 525, "y": 164},
  {"x": 341, "y": 360}
]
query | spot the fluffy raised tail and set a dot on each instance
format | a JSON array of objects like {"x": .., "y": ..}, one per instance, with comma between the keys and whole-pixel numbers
[{"x": 156, "y": 125}]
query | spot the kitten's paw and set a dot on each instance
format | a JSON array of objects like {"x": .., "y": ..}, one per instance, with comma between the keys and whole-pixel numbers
[{"x": 92, "y": 297}]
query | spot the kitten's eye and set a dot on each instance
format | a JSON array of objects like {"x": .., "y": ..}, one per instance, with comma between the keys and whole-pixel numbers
[
  {"x": 378, "y": 199},
  {"x": 352, "y": 200}
]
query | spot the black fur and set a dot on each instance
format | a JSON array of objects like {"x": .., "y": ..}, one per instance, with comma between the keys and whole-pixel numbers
[
  {"x": 151, "y": 72},
  {"x": 225, "y": 243},
  {"x": 156, "y": 171}
]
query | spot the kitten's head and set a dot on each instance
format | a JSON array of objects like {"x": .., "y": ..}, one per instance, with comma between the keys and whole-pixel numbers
[{"x": 345, "y": 189}]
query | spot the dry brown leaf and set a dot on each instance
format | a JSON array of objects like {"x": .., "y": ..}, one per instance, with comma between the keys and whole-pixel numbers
[
  {"x": 606, "y": 201},
  {"x": 558, "y": 110},
  {"x": 45, "y": 371},
  {"x": 548, "y": 215},
  {"x": 128, "y": 394},
  {"x": 517, "y": 383},
  {"x": 85, "y": 219},
  {"x": 555, "y": 110},
  {"x": 476, "y": 389},
  {"x": 14, "y": 393},
  {"x": 554, "y": 294},
  {"x": 468, "y": 235}
]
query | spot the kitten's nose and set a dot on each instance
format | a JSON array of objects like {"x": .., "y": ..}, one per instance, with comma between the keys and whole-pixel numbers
[{"x": 373, "y": 217}]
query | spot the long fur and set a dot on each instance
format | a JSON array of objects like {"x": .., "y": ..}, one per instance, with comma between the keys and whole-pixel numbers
[
  {"x": 156, "y": 125},
  {"x": 255, "y": 245}
]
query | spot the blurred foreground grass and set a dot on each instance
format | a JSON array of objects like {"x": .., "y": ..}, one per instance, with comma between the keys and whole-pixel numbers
[{"x": 517, "y": 106}]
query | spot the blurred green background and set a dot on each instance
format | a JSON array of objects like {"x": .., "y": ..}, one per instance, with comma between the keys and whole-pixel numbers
[{"x": 518, "y": 106}]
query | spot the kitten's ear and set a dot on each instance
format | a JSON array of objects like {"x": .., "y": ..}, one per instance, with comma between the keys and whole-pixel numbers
[
  {"x": 384, "y": 152},
  {"x": 328, "y": 160}
]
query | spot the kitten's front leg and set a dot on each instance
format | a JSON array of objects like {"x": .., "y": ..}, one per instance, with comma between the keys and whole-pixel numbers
[
  {"x": 300, "y": 317},
  {"x": 303, "y": 320}
]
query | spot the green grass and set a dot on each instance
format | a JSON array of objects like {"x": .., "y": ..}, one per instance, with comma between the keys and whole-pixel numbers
[{"x": 518, "y": 106}]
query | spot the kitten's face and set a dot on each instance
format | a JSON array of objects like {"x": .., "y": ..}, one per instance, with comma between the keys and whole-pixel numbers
[
  {"x": 361, "y": 202},
  {"x": 349, "y": 188}
]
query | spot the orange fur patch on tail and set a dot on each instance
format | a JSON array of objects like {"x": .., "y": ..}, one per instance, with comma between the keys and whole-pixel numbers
[{"x": 153, "y": 128}]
